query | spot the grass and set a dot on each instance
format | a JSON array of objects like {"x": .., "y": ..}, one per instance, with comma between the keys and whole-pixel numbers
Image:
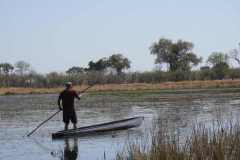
[
  {"x": 136, "y": 87},
  {"x": 219, "y": 142}
]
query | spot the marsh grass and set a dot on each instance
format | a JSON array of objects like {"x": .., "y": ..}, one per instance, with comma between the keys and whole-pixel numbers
[
  {"x": 220, "y": 141},
  {"x": 165, "y": 87}
]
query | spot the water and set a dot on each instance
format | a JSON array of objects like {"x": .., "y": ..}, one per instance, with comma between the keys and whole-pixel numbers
[{"x": 19, "y": 114}]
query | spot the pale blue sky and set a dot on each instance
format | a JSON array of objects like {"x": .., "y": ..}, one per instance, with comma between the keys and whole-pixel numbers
[{"x": 54, "y": 35}]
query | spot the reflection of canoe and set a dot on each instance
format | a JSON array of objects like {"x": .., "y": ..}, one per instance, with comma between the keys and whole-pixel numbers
[{"x": 110, "y": 126}]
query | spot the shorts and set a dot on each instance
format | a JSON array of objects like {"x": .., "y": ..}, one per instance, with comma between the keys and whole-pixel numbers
[{"x": 69, "y": 116}]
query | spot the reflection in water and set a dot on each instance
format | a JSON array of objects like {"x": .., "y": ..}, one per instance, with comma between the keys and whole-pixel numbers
[{"x": 70, "y": 151}]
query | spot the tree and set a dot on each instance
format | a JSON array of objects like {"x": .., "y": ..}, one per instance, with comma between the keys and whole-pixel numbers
[
  {"x": 179, "y": 55},
  {"x": 119, "y": 62},
  {"x": 75, "y": 70},
  {"x": 55, "y": 79},
  {"x": 6, "y": 68},
  {"x": 218, "y": 57},
  {"x": 99, "y": 65},
  {"x": 22, "y": 67},
  {"x": 219, "y": 62},
  {"x": 205, "y": 73},
  {"x": 220, "y": 70},
  {"x": 235, "y": 54}
]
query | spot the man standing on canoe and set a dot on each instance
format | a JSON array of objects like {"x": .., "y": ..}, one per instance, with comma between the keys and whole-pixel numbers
[{"x": 67, "y": 97}]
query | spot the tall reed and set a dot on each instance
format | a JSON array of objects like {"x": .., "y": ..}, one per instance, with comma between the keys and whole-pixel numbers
[{"x": 220, "y": 141}]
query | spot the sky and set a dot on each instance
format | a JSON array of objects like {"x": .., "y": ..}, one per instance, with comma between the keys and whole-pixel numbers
[{"x": 54, "y": 35}]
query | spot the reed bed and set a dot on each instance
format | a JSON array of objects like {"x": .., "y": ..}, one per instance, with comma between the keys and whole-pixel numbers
[
  {"x": 182, "y": 85},
  {"x": 218, "y": 142}
]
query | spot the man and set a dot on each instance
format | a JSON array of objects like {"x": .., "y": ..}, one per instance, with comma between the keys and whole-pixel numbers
[{"x": 67, "y": 97}]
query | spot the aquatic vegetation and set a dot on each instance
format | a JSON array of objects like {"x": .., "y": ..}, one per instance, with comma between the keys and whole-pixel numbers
[{"x": 218, "y": 142}]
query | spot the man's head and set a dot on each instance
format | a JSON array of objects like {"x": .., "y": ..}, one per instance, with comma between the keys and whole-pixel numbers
[{"x": 68, "y": 85}]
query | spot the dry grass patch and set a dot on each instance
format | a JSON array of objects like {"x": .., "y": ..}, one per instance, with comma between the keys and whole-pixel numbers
[{"x": 132, "y": 87}]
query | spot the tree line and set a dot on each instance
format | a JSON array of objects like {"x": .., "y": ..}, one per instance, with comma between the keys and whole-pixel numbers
[{"x": 175, "y": 61}]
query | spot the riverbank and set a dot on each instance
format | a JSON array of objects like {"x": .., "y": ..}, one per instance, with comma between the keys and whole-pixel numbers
[{"x": 191, "y": 86}]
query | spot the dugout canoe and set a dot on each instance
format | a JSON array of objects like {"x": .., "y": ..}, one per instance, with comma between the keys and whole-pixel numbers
[{"x": 99, "y": 128}]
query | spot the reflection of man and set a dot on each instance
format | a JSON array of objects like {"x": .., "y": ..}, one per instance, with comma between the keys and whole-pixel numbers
[
  {"x": 67, "y": 97},
  {"x": 71, "y": 152}
]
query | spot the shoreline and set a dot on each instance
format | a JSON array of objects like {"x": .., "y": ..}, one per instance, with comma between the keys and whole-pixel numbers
[{"x": 164, "y": 87}]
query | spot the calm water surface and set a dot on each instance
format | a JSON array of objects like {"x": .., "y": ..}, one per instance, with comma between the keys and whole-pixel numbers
[{"x": 19, "y": 114}]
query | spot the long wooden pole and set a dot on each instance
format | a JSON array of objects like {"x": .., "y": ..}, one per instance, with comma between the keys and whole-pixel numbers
[{"x": 29, "y": 134}]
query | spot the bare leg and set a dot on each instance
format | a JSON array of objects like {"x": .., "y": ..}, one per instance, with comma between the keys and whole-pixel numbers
[
  {"x": 66, "y": 126},
  {"x": 74, "y": 126}
]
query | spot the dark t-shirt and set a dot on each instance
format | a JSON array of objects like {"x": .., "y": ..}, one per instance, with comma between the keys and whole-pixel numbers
[{"x": 67, "y": 98}]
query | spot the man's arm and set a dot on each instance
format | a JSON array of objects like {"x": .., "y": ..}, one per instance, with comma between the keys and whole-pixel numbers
[
  {"x": 78, "y": 96},
  {"x": 59, "y": 102}
]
